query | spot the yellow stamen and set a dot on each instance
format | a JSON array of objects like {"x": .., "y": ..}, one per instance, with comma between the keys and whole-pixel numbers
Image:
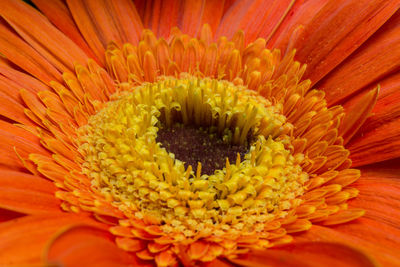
[{"x": 120, "y": 149}]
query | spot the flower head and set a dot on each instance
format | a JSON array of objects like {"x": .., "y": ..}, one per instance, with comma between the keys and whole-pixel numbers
[{"x": 209, "y": 142}]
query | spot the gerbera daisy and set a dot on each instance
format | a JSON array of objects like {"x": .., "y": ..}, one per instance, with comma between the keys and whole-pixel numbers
[{"x": 199, "y": 133}]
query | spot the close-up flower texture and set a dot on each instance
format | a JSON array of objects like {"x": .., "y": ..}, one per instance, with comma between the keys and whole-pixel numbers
[{"x": 200, "y": 133}]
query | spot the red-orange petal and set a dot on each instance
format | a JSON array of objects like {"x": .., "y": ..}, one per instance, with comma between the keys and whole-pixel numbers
[
  {"x": 28, "y": 202},
  {"x": 164, "y": 16},
  {"x": 338, "y": 30},
  {"x": 198, "y": 249},
  {"x": 36, "y": 30},
  {"x": 12, "y": 109},
  {"x": 379, "y": 194},
  {"x": 387, "y": 107},
  {"x": 255, "y": 18},
  {"x": 380, "y": 128},
  {"x": 299, "y": 15},
  {"x": 17, "y": 247},
  {"x": 261, "y": 20},
  {"x": 377, "y": 232},
  {"x": 22, "y": 79},
  {"x": 102, "y": 22},
  {"x": 375, "y": 59},
  {"x": 218, "y": 263},
  {"x": 379, "y": 144},
  {"x": 26, "y": 193},
  {"x": 165, "y": 258},
  {"x": 357, "y": 111},
  {"x": 57, "y": 12},
  {"x": 16, "y": 142},
  {"x": 87, "y": 246},
  {"x": 212, "y": 14},
  {"x": 379, "y": 240},
  {"x": 197, "y": 13},
  {"x": 310, "y": 254},
  {"x": 27, "y": 182},
  {"x": 24, "y": 56},
  {"x": 191, "y": 17}
]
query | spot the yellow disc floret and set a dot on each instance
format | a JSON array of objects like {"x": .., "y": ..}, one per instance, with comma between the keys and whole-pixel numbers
[{"x": 140, "y": 177}]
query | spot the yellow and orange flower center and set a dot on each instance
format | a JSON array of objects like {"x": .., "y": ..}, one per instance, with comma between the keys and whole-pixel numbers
[
  {"x": 140, "y": 176},
  {"x": 113, "y": 155}
]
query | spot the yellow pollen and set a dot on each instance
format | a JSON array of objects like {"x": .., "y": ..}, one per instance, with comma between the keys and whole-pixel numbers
[{"x": 140, "y": 177}]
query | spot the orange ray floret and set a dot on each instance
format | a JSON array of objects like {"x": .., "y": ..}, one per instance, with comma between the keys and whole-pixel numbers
[
  {"x": 27, "y": 194},
  {"x": 108, "y": 25},
  {"x": 26, "y": 57},
  {"x": 42, "y": 36},
  {"x": 374, "y": 60},
  {"x": 323, "y": 52},
  {"x": 315, "y": 254},
  {"x": 20, "y": 248},
  {"x": 57, "y": 12}
]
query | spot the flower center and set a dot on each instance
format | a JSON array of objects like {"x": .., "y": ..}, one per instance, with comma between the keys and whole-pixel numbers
[
  {"x": 195, "y": 146},
  {"x": 199, "y": 156}
]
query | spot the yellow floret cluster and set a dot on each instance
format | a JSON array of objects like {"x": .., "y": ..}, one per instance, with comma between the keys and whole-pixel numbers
[{"x": 141, "y": 178}]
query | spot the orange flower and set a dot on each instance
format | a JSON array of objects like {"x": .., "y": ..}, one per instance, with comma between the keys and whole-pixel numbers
[{"x": 188, "y": 132}]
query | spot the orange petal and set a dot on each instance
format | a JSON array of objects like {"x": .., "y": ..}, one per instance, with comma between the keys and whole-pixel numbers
[
  {"x": 130, "y": 244},
  {"x": 36, "y": 30},
  {"x": 102, "y": 22},
  {"x": 16, "y": 142},
  {"x": 88, "y": 28},
  {"x": 198, "y": 249},
  {"x": 57, "y": 12},
  {"x": 343, "y": 216},
  {"x": 307, "y": 254},
  {"x": 22, "y": 79},
  {"x": 12, "y": 109},
  {"x": 164, "y": 16},
  {"x": 24, "y": 56},
  {"x": 191, "y": 14},
  {"x": 380, "y": 241},
  {"x": 218, "y": 263},
  {"x": 357, "y": 111},
  {"x": 379, "y": 193},
  {"x": 377, "y": 233},
  {"x": 150, "y": 12},
  {"x": 212, "y": 14},
  {"x": 298, "y": 16},
  {"x": 324, "y": 43},
  {"x": 27, "y": 182},
  {"x": 387, "y": 107},
  {"x": 10, "y": 161},
  {"x": 165, "y": 258},
  {"x": 126, "y": 20},
  {"x": 12, "y": 136},
  {"x": 10, "y": 89},
  {"x": 27, "y": 193},
  {"x": 379, "y": 144},
  {"x": 198, "y": 13},
  {"x": 385, "y": 117},
  {"x": 23, "y": 240},
  {"x": 87, "y": 246},
  {"x": 279, "y": 10},
  {"x": 255, "y": 18},
  {"x": 373, "y": 60}
]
